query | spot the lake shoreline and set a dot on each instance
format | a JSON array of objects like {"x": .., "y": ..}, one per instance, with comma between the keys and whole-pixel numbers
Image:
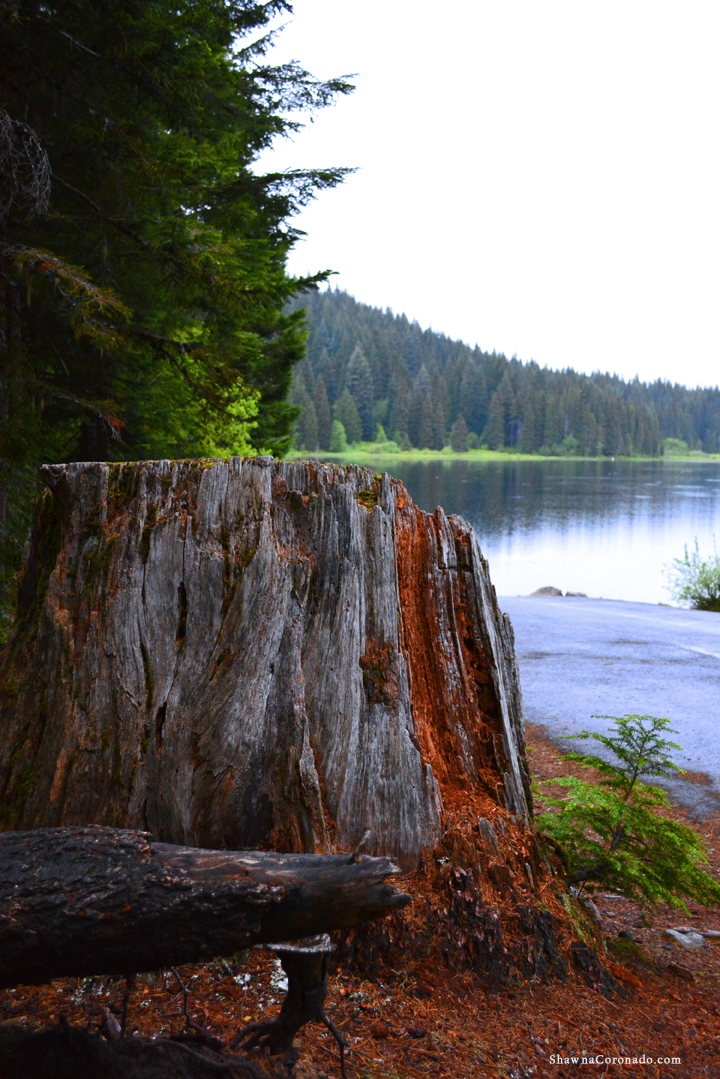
[{"x": 366, "y": 455}]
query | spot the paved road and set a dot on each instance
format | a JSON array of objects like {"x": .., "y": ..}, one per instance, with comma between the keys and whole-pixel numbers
[{"x": 584, "y": 656}]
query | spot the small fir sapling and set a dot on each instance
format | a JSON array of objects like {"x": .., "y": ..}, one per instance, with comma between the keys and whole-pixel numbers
[{"x": 612, "y": 833}]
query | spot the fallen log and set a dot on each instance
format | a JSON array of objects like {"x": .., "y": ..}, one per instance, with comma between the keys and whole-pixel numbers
[
  {"x": 81, "y": 901},
  {"x": 67, "y": 1052}
]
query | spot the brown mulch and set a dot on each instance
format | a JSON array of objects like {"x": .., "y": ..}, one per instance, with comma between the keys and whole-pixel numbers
[{"x": 433, "y": 1022}]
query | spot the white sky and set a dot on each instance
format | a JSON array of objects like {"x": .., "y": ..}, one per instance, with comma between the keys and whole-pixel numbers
[{"x": 542, "y": 178}]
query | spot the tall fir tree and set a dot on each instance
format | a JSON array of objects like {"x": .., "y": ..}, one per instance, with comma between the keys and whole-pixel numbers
[
  {"x": 473, "y": 400},
  {"x": 323, "y": 413},
  {"x": 416, "y": 405},
  {"x": 308, "y": 427},
  {"x": 531, "y": 437},
  {"x": 494, "y": 432},
  {"x": 398, "y": 410},
  {"x": 359, "y": 382},
  {"x": 346, "y": 411},
  {"x": 427, "y": 435},
  {"x": 326, "y": 369},
  {"x": 459, "y": 437},
  {"x": 437, "y": 407},
  {"x": 142, "y": 256}
]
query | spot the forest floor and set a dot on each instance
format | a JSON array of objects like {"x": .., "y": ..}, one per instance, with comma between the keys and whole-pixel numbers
[{"x": 436, "y": 1023}]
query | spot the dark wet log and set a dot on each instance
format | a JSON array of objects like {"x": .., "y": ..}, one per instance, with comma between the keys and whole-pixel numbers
[
  {"x": 83, "y": 901},
  {"x": 65, "y": 1052}
]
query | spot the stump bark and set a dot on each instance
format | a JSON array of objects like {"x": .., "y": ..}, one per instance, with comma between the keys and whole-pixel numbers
[{"x": 253, "y": 653}]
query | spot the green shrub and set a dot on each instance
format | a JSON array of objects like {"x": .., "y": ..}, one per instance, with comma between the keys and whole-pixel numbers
[
  {"x": 675, "y": 447},
  {"x": 696, "y": 581},
  {"x": 612, "y": 834},
  {"x": 338, "y": 439}
]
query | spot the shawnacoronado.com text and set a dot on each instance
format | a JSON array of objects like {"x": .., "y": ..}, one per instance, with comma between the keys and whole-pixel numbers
[{"x": 557, "y": 1058}]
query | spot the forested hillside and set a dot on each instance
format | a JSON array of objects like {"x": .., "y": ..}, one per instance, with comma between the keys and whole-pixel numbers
[{"x": 366, "y": 367}]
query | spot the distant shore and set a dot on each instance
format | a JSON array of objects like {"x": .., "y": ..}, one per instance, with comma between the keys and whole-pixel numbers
[{"x": 368, "y": 453}]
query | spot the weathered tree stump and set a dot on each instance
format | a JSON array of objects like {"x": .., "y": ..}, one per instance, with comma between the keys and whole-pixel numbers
[
  {"x": 252, "y": 653},
  {"x": 83, "y": 901},
  {"x": 262, "y": 654}
]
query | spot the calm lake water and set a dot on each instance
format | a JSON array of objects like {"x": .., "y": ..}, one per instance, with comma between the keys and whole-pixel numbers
[{"x": 601, "y": 527}]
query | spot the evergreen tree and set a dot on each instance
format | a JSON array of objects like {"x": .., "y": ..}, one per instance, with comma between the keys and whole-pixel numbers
[
  {"x": 142, "y": 257},
  {"x": 308, "y": 426},
  {"x": 346, "y": 411},
  {"x": 529, "y": 437},
  {"x": 473, "y": 401},
  {"x": 326, "y": 369},
  {"x": 415, "y": 415},
  {"x": 515, "y": 421},
  {"x": 380, "y": 412},
  {"x": 338, "y": 439},
  {"x": 551, "y": 427},
  {"x": 437, "y": 411},
  {"x": 424, "y": 381},
  {"x": 301, "y": 401},
  {"x": 494, "y": 433},
  {"x": 615, "y": 834},
  {"x": 359, "y": 381},
  {"x": 398, "y": 411},
  {"x": 323, "y": 413},
  {"x": 427, "y": 436},
  {"x": 459, "y": 440}
]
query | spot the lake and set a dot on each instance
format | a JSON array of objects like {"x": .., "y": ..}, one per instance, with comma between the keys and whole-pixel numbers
[{"x": 607, "y": 528}]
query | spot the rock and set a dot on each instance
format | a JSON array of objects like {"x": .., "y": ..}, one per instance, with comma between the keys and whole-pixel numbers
[
  {"x": 579, "y": 595},
  {"x": 589, "y": 905},
  {"x": 712, "y": 935},
  {"x": 686, "y": 939},
  {"x": 254, "y": 653},
  {"x": 548, "y": 590}
]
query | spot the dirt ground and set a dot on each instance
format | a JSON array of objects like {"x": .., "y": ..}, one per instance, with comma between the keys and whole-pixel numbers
[{"x": 437, "y": 1023}]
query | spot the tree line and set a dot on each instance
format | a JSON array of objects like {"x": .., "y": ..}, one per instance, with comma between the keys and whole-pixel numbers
[{"x": 369, "y": 373}]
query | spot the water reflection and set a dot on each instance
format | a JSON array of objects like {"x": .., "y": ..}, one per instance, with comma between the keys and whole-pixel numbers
[{"x": 602, "y": 527}]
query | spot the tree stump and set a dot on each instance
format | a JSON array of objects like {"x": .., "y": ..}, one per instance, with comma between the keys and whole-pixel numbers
[
  {"x": 255, "y": 653},
  {"x": 285, "y": 655}
]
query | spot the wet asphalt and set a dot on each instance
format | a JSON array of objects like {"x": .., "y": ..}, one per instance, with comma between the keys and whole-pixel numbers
[{"x": 583, "y": 656}]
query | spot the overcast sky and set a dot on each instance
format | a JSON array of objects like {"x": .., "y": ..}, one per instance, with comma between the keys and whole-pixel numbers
[{"x": 540, "y": 178}]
